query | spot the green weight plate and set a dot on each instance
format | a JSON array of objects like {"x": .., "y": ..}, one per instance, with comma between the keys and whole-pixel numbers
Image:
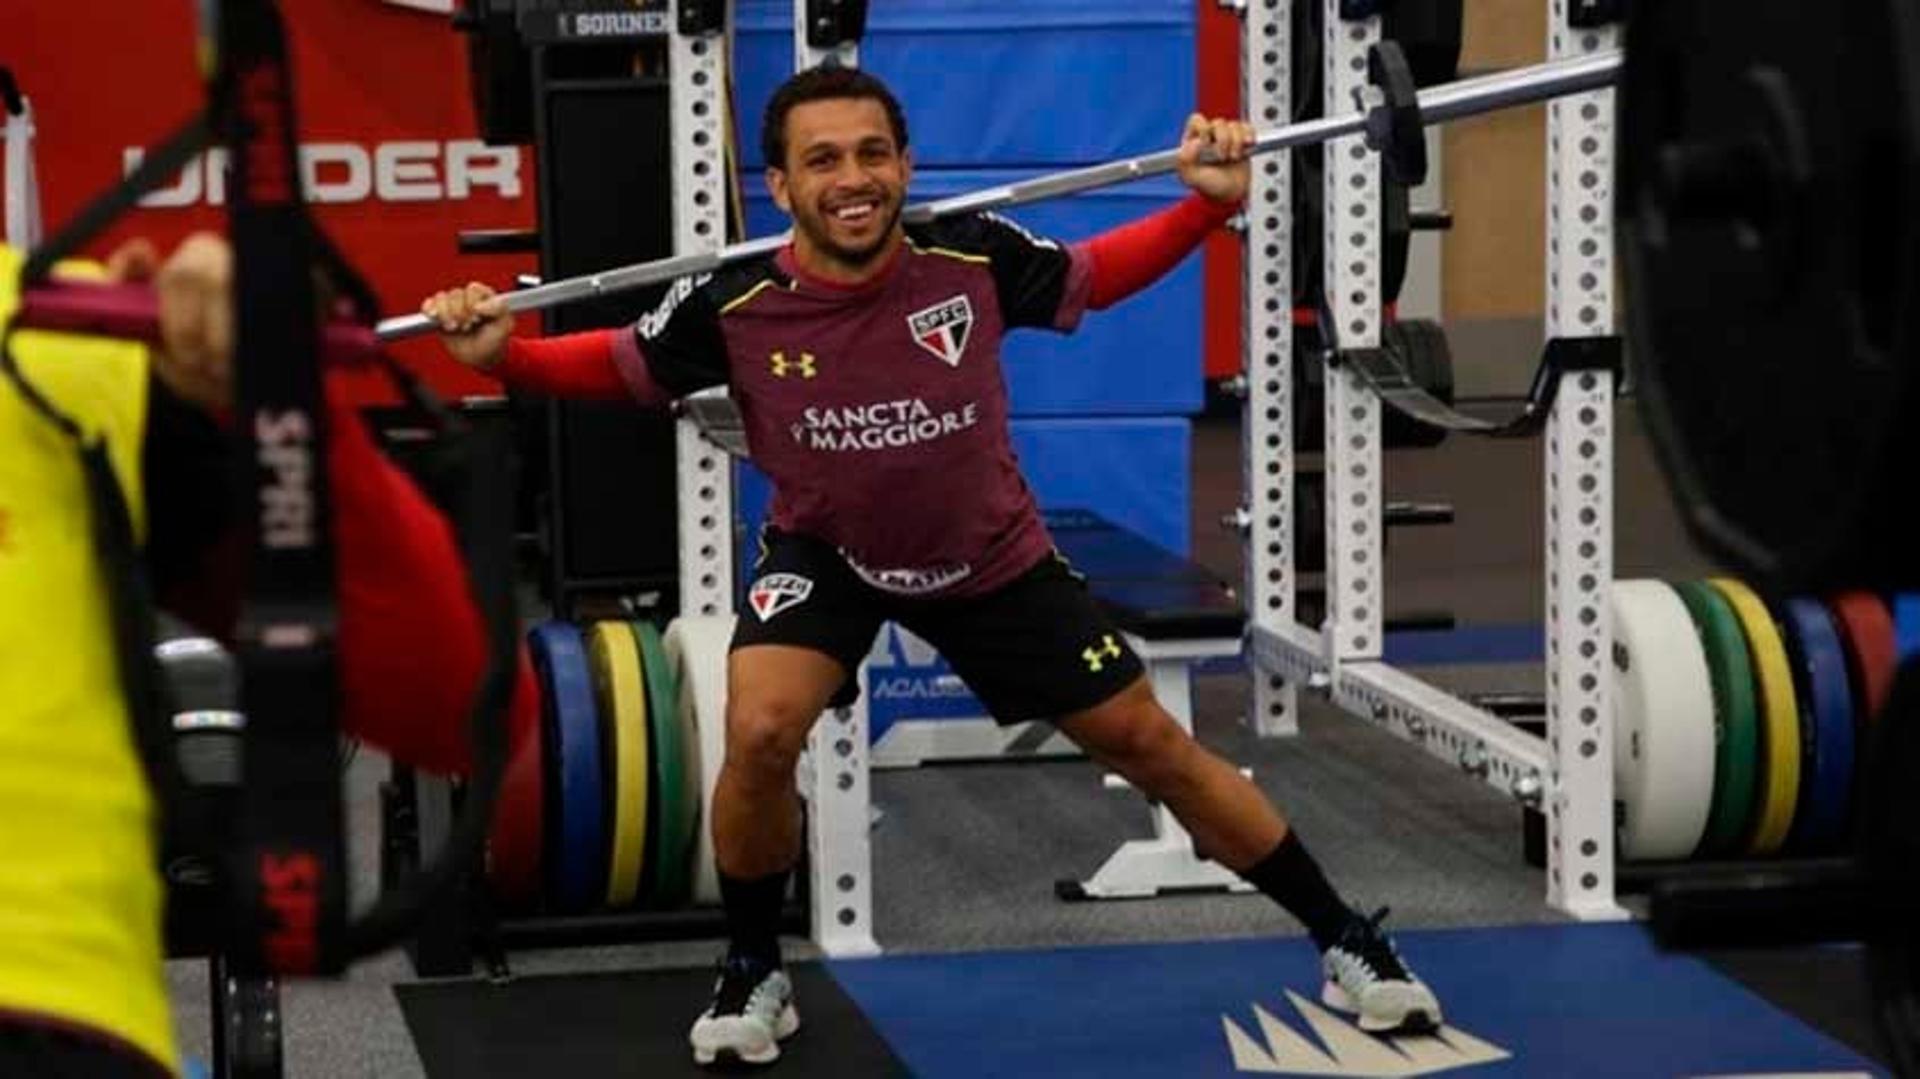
[
  {"x": 1736, "y": 715},
  {"x": 678, "y": 797}
]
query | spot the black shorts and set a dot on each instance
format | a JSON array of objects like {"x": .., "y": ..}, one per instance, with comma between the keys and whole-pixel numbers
[{"x": 1039, "y": 647}]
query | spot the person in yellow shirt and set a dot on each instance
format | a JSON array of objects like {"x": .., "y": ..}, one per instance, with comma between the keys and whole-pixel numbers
[{"x": 82, "y": 991}]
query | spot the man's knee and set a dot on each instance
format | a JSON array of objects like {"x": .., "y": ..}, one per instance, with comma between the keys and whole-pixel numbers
[
  {"x": 765, "y": 737},
  {"x": 1141, "y": 740}
]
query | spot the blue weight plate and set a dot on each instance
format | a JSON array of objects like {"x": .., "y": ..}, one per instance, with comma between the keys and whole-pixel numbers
[
  {"x": 1906, "y": 623},
  {"x": 1826, "y": 728},
  {"x": 577, "y": 844}
]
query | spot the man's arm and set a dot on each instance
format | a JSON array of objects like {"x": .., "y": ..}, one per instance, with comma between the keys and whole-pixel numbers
[
  {"x": 577, "y": 366},
  {"x": 674, "y": 351},
  {"x": 1127, "y": 259}
]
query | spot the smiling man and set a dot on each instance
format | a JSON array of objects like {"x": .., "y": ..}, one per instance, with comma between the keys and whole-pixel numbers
[{"x": 865, "y": 359}]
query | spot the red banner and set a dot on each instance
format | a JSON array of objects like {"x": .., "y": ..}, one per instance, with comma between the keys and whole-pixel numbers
[{"x": 392, "y": 163}]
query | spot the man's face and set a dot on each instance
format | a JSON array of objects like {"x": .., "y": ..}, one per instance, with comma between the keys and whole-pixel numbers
[{"x": 845, "y": 179}]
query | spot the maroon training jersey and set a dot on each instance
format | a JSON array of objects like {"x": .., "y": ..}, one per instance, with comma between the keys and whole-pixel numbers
[{"x": 880, "y": 411}]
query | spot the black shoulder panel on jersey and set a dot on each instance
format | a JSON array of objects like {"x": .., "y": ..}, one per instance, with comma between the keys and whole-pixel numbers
[{"x": 1029, "y": 271}]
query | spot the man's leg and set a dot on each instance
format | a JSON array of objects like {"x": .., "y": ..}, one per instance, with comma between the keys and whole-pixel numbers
[
  {"x": 1232, "y": 822},
  {"x": 806, "y": 628},
  {"x": 1041, "y": 647},
  {"x": 775, "y": 694}
]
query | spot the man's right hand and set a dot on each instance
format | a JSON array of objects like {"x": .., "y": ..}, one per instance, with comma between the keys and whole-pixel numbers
[{"x": 474, "y": 324}]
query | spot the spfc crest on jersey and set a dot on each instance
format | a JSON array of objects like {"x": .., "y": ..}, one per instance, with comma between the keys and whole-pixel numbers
[
  {"x": 943, "y": 328},
  {"x": 777, "y": 592}
]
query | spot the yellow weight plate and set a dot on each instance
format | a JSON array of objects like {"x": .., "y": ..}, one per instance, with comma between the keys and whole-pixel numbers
[
  {"x": 1780, "y": 718},
  {"x": 615, "y": 660}
]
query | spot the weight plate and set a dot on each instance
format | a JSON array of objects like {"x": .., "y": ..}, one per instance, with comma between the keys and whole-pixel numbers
[
  {"x": 677, "y": 793},
  {"x": 623, "y": 741},
  {"x": 1768, "y": 197},
  {"x": 1663, "y": 723},
  {"x": 1736, "y": 716},
  {"x": 1866, "y": 630},
  {"x": 1826, "y": 727},
  {"x": 697, "y": 648},
  {"x": 1309, "y": 231},
  {"x": 1779, "y": 715},
  {"x": 576, "y": 801},
  {"x": 515, "y": 839},
  {"x": 1906, "y": 624}
]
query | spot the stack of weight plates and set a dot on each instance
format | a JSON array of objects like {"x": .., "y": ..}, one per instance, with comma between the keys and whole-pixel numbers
[
  {"x": 631, "y": 730},
  {"x": 1737, "y": 717}
]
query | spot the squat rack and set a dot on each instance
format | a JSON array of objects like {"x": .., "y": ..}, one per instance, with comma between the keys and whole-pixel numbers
[{"x": 1568, "y": 773}]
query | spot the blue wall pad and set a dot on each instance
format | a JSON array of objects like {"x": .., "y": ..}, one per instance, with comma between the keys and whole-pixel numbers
[
  {"x": 1586, "y": 1001},
  {"x": 1141, "y": 356},
  {"x": 990, "y": 83}
]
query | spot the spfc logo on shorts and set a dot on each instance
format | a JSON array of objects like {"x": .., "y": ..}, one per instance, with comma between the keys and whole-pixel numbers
[
  {"x": 943, "y": 328},
  {"x": 777, "y": 592}
]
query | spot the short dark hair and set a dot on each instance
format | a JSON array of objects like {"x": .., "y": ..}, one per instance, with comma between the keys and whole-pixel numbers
[{"x": 824, "y": 83}]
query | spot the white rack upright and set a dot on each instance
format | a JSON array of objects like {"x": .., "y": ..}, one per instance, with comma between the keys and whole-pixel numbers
[{"x": 1568, "y": 773}]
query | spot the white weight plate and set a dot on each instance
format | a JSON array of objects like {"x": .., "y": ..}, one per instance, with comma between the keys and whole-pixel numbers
[
  {"x": 1662, "y": 723},
  {"x": 697, "y": 647}
]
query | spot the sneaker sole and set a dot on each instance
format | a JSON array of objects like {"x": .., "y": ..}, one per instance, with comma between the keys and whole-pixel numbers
[
  {"x": 785, "y": 1027},
  {"x": 1410, "y": 1011}
]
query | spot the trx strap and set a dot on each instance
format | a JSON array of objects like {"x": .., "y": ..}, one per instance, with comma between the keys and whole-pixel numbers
[
  {"x": 285, "y": 873},
  {"x": 288, "y": 860}
]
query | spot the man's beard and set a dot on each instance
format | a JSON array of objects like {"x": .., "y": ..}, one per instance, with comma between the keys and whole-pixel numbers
[{"x": 818, "y": 229}]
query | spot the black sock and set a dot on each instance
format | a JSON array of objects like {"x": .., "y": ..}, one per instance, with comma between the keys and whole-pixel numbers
[
  {"x": 1290, "y": 877},
  {"x": 753, "y": 915}
]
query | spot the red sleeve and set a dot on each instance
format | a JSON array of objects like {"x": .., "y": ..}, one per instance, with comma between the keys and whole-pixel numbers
[
  {"x": 1128, "y": 258},
  {"x": 412, "y": 648},
  {"x": 603, "y": 365}
]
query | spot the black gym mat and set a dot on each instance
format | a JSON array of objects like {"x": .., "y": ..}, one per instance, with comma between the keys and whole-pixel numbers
[
  {"x": 1825, "y": 988},
  {"x": 588, "y": 1026}
]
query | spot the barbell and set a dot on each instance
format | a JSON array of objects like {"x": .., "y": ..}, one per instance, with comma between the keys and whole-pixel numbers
[
  {"x": 1468, "y": 97},
  {"x": 1768, "y": 212}
]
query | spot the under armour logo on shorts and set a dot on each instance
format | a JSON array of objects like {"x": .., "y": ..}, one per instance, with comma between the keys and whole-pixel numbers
[{"x": 1098, "y": 655}]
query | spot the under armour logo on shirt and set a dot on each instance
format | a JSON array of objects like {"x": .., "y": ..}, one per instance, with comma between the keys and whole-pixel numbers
[
  {"x": 782, "y": 366},
  {"x": 1097, "y": 655}
]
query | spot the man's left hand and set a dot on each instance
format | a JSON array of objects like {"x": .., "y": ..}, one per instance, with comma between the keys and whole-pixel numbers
[{"x": 1228, "y": 178}]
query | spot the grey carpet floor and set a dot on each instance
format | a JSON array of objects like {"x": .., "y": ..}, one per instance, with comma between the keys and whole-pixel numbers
[{"x": 966, "y": 857}]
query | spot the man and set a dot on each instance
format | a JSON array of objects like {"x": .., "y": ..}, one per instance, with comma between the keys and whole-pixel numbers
[
  {"x": 82, "y": 991},
  {"x": 865, "y": 361}
]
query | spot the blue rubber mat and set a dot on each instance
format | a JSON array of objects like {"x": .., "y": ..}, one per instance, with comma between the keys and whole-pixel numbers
[{"x": 1561, "y": 1001}]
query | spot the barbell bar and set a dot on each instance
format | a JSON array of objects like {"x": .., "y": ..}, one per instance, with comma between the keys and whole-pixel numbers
[{"x": 1467, "y": 97}]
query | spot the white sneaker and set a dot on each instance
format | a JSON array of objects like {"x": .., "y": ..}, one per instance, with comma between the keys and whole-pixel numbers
[
  {"x": 1365, "y": 976},
  {"x": 751, "y": 1013}
]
